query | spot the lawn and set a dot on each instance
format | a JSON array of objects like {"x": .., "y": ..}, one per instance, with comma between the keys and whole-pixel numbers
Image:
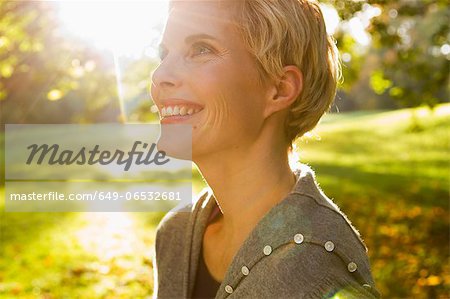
[{"x": 390, "y": 175}]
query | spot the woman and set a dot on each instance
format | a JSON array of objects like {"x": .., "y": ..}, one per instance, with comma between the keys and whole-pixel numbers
[{"x": 250, "y": 76}]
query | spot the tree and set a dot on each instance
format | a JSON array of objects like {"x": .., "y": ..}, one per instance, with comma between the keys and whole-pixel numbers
[
  {"x": 47, "y": 76},
  {"x": 410, "y": 43}
]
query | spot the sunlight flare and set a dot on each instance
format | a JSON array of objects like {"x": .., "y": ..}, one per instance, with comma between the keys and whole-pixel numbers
[
  {"x": 124, "y": 27},
  {"x": 107, "y": 235}
]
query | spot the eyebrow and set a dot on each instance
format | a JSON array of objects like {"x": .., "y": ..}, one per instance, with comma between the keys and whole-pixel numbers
[{"x": 191, "y": 38}]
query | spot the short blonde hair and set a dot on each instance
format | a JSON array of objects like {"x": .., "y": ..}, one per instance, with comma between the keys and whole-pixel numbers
[{"x": 292, "y": 32}]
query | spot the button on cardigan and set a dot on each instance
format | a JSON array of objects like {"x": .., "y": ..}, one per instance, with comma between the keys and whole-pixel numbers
[{"x": 304, "y": 247}]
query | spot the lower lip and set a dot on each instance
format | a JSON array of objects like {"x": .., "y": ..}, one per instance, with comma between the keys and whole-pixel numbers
[{"x": 177, "y": 119}]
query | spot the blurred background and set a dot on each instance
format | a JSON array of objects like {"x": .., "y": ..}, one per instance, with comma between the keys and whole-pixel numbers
[{"x": 382, "y": 153}]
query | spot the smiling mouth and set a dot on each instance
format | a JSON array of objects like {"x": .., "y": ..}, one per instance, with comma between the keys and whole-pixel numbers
[{"x": 178, "y": 111}]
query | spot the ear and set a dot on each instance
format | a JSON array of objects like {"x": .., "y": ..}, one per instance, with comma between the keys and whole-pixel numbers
[{"x": 285, "y": 90}]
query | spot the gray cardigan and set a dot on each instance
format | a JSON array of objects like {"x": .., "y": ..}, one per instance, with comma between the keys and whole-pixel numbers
[{"x": 304, "y": 247}]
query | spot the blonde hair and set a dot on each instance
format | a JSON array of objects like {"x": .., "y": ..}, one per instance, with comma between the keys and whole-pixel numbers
[{"x": 292, "y": 32}]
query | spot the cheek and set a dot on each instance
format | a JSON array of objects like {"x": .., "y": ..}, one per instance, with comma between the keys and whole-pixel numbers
[
  {"x": 245, "y": 100},
  {"x": 232, "y": 98},
  {"x": 233, "y": 113},
  {"x": 232, "y": 110},
  {"x": 229, "y": 87}
]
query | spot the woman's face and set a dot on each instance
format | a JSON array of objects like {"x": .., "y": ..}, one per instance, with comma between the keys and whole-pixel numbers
[{"x": 208, "y": 79}]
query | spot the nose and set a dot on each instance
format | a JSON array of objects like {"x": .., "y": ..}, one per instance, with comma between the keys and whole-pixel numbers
[{"x": 166, "y": 75}]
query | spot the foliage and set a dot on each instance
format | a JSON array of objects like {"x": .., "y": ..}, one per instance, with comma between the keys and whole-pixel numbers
[
  {"x": 47, "y": 76},
  {"x": 136, "y": 89},
  {"x": 410, "y": 49},
  {"x": 392, "y": 182}
]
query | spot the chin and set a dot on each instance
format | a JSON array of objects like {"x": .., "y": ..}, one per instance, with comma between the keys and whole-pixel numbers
[{"x": 176, "y": 141}]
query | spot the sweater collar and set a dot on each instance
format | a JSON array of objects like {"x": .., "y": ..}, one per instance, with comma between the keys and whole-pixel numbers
[{"x": 289, "y": 217}]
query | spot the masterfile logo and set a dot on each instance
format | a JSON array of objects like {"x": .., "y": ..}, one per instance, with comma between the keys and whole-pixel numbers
[{"x": 96, "y": 156}]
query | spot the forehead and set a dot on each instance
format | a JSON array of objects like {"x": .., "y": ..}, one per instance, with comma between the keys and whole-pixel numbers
[{"x": 200, "y": 17}]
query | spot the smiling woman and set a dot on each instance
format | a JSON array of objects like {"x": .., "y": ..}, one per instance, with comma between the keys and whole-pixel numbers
[{"x": 250, "y": 77}]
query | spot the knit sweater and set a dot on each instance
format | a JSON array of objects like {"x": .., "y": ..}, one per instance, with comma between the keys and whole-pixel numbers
[{"x": 304, "y": 247}]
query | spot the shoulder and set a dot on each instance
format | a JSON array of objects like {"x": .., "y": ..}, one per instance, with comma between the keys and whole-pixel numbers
[
  {"x": 305, "y": 271},
  {"x": 305, "y": 247},
  {"x": 319, "y": 217},
  {"x": 318, "y": 256},
  {"x": 332, "y": 253},
  {"x": 330, "y": 250}
]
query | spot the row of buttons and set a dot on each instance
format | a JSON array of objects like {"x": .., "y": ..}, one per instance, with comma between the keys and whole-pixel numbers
[
  {"x": 298, "y": 239},
  {"x": 351, "y": 267}
]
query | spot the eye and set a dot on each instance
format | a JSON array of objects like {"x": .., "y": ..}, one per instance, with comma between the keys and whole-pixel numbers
[{"x": 201, "y": 49}]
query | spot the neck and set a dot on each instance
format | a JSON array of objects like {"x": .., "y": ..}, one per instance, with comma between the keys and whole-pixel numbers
[{"x": 247, "y": 184}]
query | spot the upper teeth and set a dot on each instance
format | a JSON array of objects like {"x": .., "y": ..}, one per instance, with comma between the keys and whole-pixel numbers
[{"x": 178, "y": 110}]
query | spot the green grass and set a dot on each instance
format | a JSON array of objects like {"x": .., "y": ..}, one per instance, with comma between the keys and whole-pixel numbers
[
  {"x": 388, "y": 174},
  {"x": 77, "y": 255}
]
